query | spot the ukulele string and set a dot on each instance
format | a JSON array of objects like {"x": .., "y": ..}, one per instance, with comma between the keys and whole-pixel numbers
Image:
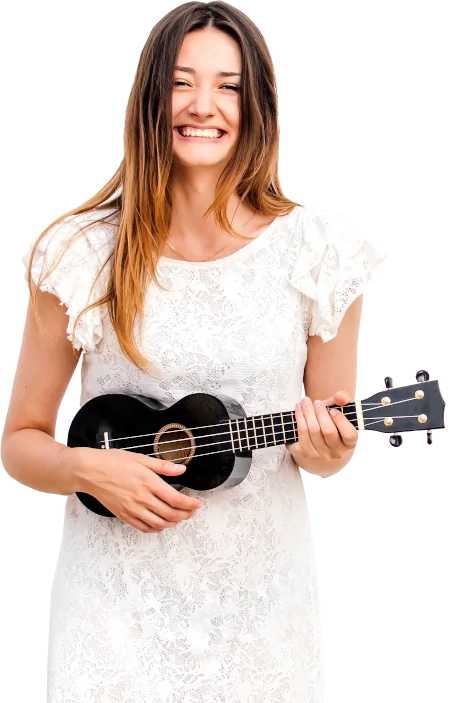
[
  {"x": 222, "y": 451},
  {"x": 286, "y": 412},
  {"x": 229, "y": 441}
]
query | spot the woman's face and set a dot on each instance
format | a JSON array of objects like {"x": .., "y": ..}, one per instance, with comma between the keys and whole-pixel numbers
[{"x": 202, "y": 98}]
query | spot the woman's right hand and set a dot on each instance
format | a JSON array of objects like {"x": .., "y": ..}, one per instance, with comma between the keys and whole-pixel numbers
[{"x": 127, "y": 484}]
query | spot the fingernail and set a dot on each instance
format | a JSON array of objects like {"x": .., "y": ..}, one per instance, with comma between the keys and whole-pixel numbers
[
  {"x": 333, "y": 412},
  {"x": 317, "y": 403}
]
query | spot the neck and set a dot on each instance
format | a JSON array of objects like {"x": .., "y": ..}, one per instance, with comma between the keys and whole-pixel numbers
[
  {"x": 192, "y": 195},
  {"x": 258, "y": 431}
]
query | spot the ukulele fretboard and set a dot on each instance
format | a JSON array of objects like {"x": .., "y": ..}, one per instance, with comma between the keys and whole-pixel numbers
[{"x": 258, "y": 431}]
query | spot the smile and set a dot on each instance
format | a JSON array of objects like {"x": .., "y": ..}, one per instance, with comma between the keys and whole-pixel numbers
[{"x": 199, "y": 139}]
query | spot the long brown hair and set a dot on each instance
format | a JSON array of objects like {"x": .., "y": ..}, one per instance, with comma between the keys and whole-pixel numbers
[{"x": 139, "y": 191}]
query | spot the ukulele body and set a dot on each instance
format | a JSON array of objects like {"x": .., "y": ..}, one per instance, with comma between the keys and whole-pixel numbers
[{"x": 178, "y": 432}]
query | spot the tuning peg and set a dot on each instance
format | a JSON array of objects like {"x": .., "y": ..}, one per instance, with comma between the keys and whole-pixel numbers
[
  {"x": 396, "y": 440},
  {"x": 429, "y": 436},
  {"x": 388, "y": 382},
  {"x": 422, "y": 376}
]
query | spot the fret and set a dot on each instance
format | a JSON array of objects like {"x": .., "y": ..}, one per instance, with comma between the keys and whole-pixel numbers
[
  {"x": 356, "y": 418},
  {"x": 264, "y": 431},
  {"x": 283, "y": 428},
  {"x": 238, "y": 433},
  {"x": 254, "y": 430},
  {"x": 272, "y": 425},
  {"x": 231, "y": 436},
  {"x": 294, "y": 427},
  {"x": 245, "y": 420}
]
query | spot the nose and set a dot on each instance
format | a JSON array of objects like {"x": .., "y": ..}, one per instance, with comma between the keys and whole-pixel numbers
[{"x": 203, "y": 104}]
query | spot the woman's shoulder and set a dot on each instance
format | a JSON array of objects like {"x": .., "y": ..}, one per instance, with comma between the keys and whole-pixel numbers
[
  {"x": 89, "y": 230},
  {"x": 335, "y": 262},
  {"x": 314, "y": 219},
  {"x": 323, "y": 227},
  {"x": 71, "y": 261},
  {"x": 83, "y": 239}
]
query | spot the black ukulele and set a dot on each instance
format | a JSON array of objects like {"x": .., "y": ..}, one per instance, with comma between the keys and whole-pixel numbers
[{"x": 212, "y": 436}]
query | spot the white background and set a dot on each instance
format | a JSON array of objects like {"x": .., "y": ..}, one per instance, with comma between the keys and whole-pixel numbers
[{"x": 371, "y": 125}]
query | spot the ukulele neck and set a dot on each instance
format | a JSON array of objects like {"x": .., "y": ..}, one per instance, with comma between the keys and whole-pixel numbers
[{"x": 258, "y": 431}]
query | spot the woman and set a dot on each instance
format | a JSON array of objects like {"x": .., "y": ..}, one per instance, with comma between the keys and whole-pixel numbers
[{"x": 190, "y": 271}]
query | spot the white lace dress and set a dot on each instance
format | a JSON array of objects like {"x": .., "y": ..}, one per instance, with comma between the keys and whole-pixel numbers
[{"x": 224, "y": 607}]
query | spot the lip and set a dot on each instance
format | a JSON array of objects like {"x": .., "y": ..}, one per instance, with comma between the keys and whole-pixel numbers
[{"x": 197, "y": 126}]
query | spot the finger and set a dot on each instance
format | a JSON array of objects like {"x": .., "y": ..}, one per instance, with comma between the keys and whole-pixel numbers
[
  {"x": 154, "y": 521},
  {"x": 172, "y": 497},
  {"x": 329, "y": 430},
  {"x": 140, "y": 525},
  {"x": 175, "y": 499},
  {"x": 349, "y": 434},
  {"x": 164, "y": 490},
  {"x": 158, "y": 466},
  {"x": 304, "y": 439},
  {"x": 166, "y": 511},
  {"x": 162, "y": 466},
  {"x": 314, "y": 429},
  {"x": 339, "y": 398},
  {"x": 153, "y": 518}
]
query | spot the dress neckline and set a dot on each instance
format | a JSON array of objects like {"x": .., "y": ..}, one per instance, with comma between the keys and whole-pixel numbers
[{"x": 236, "y": 255}]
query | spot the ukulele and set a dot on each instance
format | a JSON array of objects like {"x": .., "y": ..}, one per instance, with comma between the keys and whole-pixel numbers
[{"x": 215, "y": 439}]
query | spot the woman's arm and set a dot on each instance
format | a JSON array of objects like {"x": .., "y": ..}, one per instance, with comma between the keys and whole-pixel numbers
[
  {"x": 331, "y": 367},
  {"x": 46, "y": 364}
]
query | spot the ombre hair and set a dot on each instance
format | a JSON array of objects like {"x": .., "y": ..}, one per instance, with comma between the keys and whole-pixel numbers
[{"x": 139, "y": 192}]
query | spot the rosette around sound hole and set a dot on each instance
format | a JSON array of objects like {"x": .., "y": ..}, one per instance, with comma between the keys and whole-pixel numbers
[{"x": 174, "y": 442}]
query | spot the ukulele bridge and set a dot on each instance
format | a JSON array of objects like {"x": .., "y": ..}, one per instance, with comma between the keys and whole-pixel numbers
[
  {"x": 104, "y": 440},
  {"x": 174, "y": 442}
]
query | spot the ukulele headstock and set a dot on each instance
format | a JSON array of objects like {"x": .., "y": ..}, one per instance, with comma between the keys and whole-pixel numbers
[{"x": 405, "y": 409}]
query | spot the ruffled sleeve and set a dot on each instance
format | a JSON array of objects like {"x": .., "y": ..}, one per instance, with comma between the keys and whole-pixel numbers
[
  {"x": 82, "y": 256},
  {"x": 332, "y": 268}
]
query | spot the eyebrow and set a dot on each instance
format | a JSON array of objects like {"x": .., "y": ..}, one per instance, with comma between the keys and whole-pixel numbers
[{"x": 223, "y": 74}]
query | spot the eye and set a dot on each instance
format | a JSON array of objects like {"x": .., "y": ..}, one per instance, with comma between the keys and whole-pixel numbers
[{"x": 231, "y": 86}]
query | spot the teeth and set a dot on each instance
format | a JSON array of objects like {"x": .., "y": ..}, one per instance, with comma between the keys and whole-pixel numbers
[{"x": 190, "y": 132}]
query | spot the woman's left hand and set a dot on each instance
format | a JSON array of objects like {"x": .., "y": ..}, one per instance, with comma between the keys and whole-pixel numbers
[{"x": 322, "y": 436}]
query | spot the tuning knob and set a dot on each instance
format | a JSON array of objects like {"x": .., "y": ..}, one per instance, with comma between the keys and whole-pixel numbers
[
  {"x": 388, "y": 382},
  {"x": 396, "y": 440},
  {"x": 422, "y": 376},
  {"x": 429, "y": 436}
]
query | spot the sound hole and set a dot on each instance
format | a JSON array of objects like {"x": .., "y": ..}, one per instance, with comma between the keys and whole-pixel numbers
[{"x": 174, "y": 443}]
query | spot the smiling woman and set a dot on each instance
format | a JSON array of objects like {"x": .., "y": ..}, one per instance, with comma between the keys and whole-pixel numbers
[{"x": 166, "y": 298}]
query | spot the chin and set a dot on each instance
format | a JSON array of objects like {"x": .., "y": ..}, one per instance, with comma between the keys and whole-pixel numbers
[
  {"x": 199, "y": 164},
  {"x": 201, "y": 160}
]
